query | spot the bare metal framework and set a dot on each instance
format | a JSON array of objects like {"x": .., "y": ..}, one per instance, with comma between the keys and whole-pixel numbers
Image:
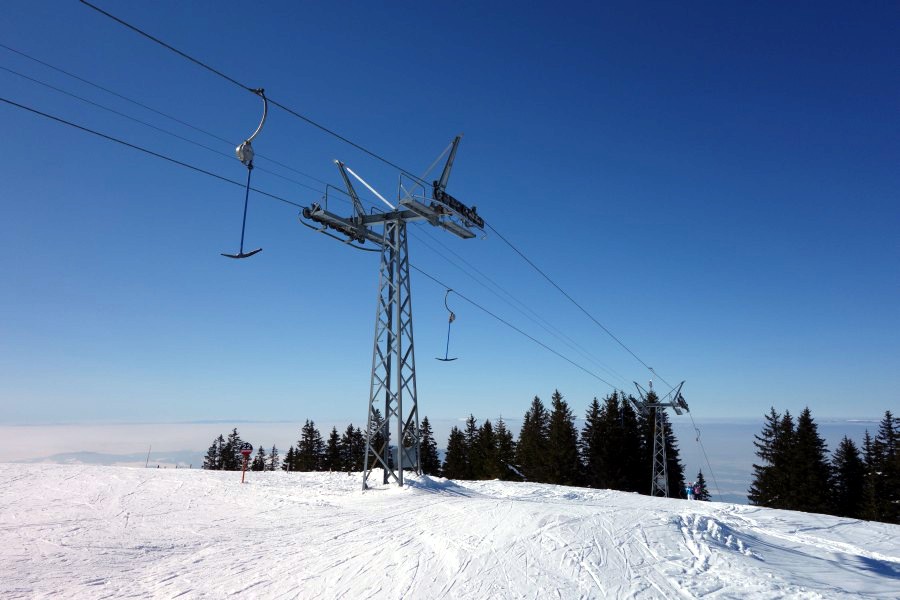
[
  {"x": 393, "y": 398},
  {"x": 393, "y": 350},
  {"x": 652, "y": 407}
]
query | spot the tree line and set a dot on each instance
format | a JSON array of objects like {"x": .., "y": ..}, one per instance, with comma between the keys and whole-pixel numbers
[
  {"x": 795, "y": 471},
  {"x": 224, "y": 454},
  {"x": 613, "y": 450},
  {"x": 340, "y": 452}
]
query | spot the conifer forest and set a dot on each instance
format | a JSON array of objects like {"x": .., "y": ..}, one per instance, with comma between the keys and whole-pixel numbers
[{"x": 613, "y": 450}]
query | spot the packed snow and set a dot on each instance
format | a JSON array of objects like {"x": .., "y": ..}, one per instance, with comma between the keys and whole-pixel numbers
[{"x": 76, "y": 531}]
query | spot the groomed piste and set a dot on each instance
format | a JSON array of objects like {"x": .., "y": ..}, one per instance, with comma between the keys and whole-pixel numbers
[{"x": 72, "y": 531}]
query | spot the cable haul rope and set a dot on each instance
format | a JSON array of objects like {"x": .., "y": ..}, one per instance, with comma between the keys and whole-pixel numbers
[
  {"x": 146, "y": 151},
  {"x": 371, "y": 153},
  {"x": 250, "y": 89}
]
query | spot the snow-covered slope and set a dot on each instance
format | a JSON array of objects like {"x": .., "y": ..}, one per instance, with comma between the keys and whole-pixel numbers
[{"x": 111, "y": 532}]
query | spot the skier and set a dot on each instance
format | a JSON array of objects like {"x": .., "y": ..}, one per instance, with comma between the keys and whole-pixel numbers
[{"x": 689, "y": 491}]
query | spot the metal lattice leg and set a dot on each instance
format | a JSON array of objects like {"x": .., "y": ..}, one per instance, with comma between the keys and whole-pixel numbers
[
  {"x": 393, "y": 353},
  {"x": 660, "y": 486},
  {"x": 408, "y": 437}
]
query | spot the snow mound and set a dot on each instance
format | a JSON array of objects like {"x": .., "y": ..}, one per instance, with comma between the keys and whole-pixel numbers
[{"x": 700, "y": 531}]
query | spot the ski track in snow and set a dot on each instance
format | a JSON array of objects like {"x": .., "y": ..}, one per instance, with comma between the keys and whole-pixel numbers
[{"x": 114, "y": 532}]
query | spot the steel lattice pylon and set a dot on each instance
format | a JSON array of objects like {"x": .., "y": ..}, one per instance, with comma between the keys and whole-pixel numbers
[
  {"x": 393, "y": 381},
  {"x": 654, "y": 409},
  {"x": 660, "y": 483},
  {"x": 393, "y": 384}
]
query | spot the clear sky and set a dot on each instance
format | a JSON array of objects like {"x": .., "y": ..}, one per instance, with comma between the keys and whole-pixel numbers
[{"x": 715, "y": 183}]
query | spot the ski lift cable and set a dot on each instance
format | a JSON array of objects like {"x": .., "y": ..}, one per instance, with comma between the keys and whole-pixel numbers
[
  {"x": 147, "y": 151},
  {"x": 151, "y": 126},
  {"x": 167, "y": 116},
  {"x": 513, "y": 327},
  {"x": 616, "y": 339},
  {"x": 519, "y": 306},
  {"x": 543, "y": 323},
  {"x": 573, "y": 301},
  {"x": 286, "y": 201},
  {"x": 363, "y": 149},
  {"x": 168, "y": 159},
  {"x": 251, "y": 89},
  {"x": 111, "y": 92},
  {"x": 536, "y": 318},
  {"x": 180, "y": 162},
  {"x": 539, "y": 321},
  {"x": 705, "y": 456}
]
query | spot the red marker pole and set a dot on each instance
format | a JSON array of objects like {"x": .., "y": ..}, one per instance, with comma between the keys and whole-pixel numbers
[{"x": 246, "y": 449}]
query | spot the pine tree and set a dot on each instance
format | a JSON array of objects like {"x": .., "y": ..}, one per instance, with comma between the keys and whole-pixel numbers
[
  {"x": 760, "y": 491},
  {"x": 771, "y": 480},
  {"x": 455, "y": 465},
  {"x": 531, "y": 449},
  {"x": 590, "y": 445},
  {"x": 259, "y": 461},
  {"x": 610, "y": 446},
  {"x": 410, "y": 450},
  {"x": 310, "y": 449},
  {"x": 782, "y": 457},
  {"x": 231, "y": 452},
  {"x": 506, "y": 452},
  {"x": 625, "y": 449},
  {"x": 701, "y": 492},
  {"x": 430, "y": 463},
  {"x": 360, "y": 443},
  {"x": 564, "y": 467},
  {"x": 273, "y": 461},
  {"x": 377, "y": 436},
  {"x": 810, "y": 471},
  {"x": 486, "y": 451},
  {"x": 289, "y": 460},
  {"x": 213, "y": 458},
  {"x": 870, "y": 500},
  {"x": 332, "y": 460},
  {"x": 473, "y": 458},
  {"x": 352, "y": 447},
  {"x": 644, "y": 421},
  {"x": 889, "y": 439},
  {"x": 849, "y": 479},
  {"x": 883, "y": 472}
]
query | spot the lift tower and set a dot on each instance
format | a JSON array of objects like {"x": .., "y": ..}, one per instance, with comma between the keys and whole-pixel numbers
[
  {"x": 653, "y": 408},
  {"x": 392, "y": 391}
]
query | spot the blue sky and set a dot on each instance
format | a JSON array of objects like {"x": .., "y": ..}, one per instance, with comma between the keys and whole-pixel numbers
[{"x": 716, "y": 184}]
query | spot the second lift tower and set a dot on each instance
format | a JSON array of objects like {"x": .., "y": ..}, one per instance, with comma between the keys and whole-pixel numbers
[{"x": 652, "y": 407}]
